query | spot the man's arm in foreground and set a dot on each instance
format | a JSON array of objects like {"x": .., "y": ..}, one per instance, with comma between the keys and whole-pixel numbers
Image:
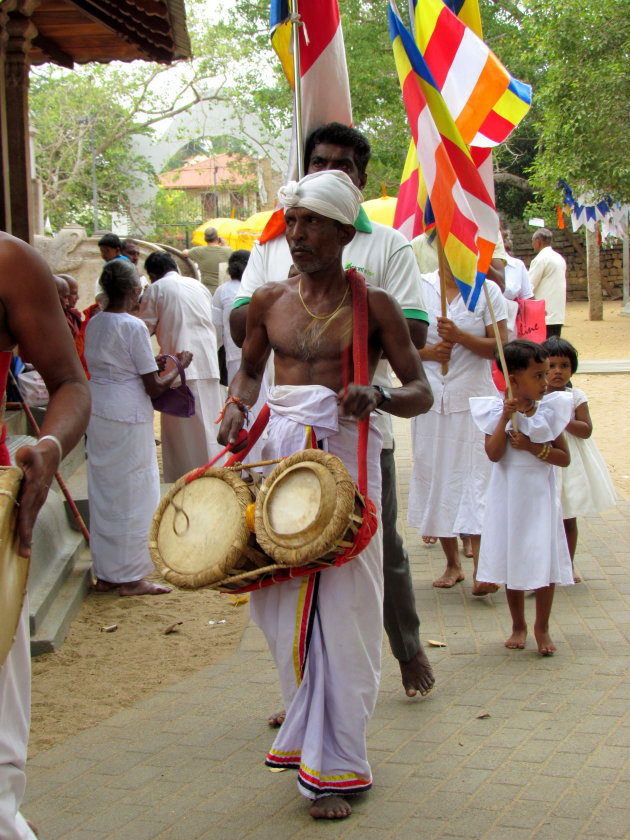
[
  {"x": 32, "y": 317},
  {"x": 245, "y": 385}
]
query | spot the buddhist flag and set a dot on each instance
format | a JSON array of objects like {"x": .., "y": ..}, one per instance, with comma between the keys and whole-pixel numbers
[
  {"x": 460, "y": 203},
  {"x": 485, "y": 101},
  {"x": 325, "y": 89}
]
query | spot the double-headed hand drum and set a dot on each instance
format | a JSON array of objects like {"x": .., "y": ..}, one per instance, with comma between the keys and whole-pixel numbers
[
  {"x": 308, "y": 509},
  {"x": 199, "y": 533}
]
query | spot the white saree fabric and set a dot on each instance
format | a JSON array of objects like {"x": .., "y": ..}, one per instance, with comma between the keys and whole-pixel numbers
[
  {"x": 15, "y": 713},
  {"x": 325, "y": 630},
  {"x": 124, "y": 491}
]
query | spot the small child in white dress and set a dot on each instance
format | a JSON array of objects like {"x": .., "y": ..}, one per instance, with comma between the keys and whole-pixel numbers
[
  {"x": 585, "y": 486},
  {"x": 522, "y": 539}
]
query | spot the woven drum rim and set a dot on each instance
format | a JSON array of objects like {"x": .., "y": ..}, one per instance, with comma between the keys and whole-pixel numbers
[
  {"x": 234, "y": 556},
  {"x": 328, "y": 538},
  {"x": 10, "y": 480}
]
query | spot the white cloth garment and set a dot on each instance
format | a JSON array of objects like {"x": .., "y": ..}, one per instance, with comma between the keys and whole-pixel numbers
[
  {"x": 124, "y": 492},
  {"x": 523, "y": 544},
  {"x": 585, "y": 485},
  {"x": 118, "y": 352},
  {"x": 548, "y": 275},
  {"x": 325, "y": 630},
  {"x": 178, "y": 310},
  {"x": 123, "y": 479},
  {"x": 450, "y": 468},
  {"x": 384, "y": 257},
  {"x": 517, "y": 282},
  {"x": 222, "y": 301},
  {"x": 15, "y": 715},
  {"x": 331, "y": 194}
]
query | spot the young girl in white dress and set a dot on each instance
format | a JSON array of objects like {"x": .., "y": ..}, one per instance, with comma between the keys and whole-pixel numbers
[
  {"x": 585, "y": 486},
  {"x": 522, "y": 539}
]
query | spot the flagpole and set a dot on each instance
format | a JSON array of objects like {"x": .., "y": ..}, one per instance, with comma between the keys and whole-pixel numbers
[
  {"x": 443, "y": 268},
  {"x": 501, "y": 354},
  {"x": 297, "y": 86}
]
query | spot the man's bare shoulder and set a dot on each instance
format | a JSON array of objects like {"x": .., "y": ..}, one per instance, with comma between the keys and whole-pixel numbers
[
  {"x": 18, "y": 259},
  {"x": 272, "y": 292}
]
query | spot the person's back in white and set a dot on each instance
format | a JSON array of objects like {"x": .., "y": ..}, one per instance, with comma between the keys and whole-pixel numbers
[
  {"x": 178, "y": 310},
  {"x": 548, "y": 275}
]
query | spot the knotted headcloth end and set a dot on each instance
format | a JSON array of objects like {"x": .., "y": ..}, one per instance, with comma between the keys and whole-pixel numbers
[{"x": 331, "y": 194}]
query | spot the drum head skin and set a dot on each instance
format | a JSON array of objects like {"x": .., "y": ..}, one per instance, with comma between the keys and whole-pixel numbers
[
  {"x": 13, "y": 568},
  {"x": 305, "y": 507},
  {"x": 199, "y": 533}
]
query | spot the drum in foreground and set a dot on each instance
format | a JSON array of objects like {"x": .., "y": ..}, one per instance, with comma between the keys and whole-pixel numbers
[
  {"x": 308, "y": 509},
  {"x": 199, "y": 533},
  {"x": 13, "y": 568}
]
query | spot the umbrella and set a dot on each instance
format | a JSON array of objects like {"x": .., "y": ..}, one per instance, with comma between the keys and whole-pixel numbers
[
  {"x": 227, "y": 228},
  {"x": 251, "y": 229},
  {"x": 381, "y": 209}
]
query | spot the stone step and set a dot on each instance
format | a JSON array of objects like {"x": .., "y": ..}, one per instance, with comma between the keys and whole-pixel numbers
[
  {"x": 56, "y": 548},
  {"x": 53, "y": 630}
]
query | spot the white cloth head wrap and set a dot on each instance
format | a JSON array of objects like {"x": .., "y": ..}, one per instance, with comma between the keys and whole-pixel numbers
[{"x": 331, "y": 194}]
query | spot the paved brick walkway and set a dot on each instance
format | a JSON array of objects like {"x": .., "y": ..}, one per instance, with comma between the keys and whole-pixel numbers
[{"x": 550, "y": 760}]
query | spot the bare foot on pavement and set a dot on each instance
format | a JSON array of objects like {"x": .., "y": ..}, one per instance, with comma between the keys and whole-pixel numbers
[
  {"x": 517, "y": 639},
  {"x": 451, "y": 576},
  {"x": 277, "y": 720},
  {"x": 417, "y": 674},
  {"x": 330, "y": 808}
]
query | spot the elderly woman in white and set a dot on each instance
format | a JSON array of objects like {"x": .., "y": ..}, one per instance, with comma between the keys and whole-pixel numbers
[{"x": 123, "y": 478}]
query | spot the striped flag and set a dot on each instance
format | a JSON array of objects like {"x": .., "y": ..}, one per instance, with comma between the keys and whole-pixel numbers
[
  {"x": 459, "y": 200},
  {"x": 323, "y": 70},
  {"x": 485, "y": 101}
]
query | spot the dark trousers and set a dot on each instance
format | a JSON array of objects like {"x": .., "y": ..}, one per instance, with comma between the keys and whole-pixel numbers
[
  {"x": 554, "y": 329},
  {"x": 400, "y": 618}
]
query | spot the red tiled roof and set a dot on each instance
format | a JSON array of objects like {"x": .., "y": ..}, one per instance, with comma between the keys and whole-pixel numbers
[{"x": 216, "y": 171}]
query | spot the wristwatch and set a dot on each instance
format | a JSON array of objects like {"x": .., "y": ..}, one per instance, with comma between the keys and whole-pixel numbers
[{"x": 385, "y": 395}]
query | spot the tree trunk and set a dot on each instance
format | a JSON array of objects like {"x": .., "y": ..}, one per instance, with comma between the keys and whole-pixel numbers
[{"x": 593, "y": 281}]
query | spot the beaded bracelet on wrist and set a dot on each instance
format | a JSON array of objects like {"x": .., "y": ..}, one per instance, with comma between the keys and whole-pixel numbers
[{"x": 238, "y": 402}]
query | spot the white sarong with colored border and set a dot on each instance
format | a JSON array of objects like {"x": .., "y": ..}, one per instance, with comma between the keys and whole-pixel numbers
[{"x": 325, "y": 630}]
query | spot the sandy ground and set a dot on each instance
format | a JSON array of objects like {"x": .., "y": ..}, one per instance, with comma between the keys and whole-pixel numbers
[{"x": 96, "y": 673}]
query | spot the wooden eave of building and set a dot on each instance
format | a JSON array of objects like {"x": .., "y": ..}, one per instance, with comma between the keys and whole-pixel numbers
[{"x": 79, "y": 31}]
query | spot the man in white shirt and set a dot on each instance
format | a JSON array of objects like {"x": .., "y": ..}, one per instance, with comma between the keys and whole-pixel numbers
[
  {"x": 385, "y": 258},
  {"x": 178, "y": 310},
  {"x": 548, "y": 274}
]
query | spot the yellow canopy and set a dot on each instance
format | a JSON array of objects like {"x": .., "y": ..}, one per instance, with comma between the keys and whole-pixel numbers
[
  {"x": 227, "y": 228},
  {"x": 251, "y": 229},
  {"x": 381, "y": 209}
]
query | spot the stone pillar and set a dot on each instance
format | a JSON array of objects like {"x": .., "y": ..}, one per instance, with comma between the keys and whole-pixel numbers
[{"x": 20, "y": 31}]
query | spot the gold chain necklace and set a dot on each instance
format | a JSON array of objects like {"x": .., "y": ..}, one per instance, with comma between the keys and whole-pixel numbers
[{"x": 321, "y": 317}]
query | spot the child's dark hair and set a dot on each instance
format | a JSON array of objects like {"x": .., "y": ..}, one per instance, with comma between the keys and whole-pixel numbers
[
  {"x": 519, "y": 353},
  {"x": 237, "y": 263},
  {"x": 557, "y": 346}
]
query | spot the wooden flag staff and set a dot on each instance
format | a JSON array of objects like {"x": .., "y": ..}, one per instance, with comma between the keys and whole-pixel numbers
[
  {"x": 297, "y": 86},
  {"x": 500, "y": 352},
  {"x": 443, "y": 268}
]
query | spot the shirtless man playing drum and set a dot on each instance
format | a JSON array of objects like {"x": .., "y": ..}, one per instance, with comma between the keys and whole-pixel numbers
[
  {"x": 30, "y": 315},
  {"x": 329, "y": 685}
]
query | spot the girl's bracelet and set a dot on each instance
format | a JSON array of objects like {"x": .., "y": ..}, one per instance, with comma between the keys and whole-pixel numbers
[{"x": 544, "y": 452}]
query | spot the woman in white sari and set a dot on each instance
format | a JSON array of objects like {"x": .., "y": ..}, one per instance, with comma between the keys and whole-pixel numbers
[{"x": 123, "y": 479}]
